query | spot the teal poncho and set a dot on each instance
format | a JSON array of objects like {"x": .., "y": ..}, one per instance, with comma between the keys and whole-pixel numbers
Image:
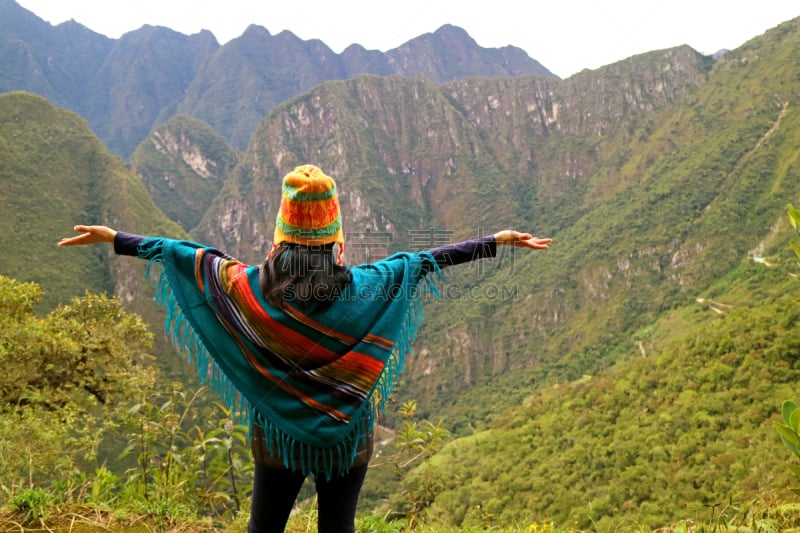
[{"x": 312, "y": 381}]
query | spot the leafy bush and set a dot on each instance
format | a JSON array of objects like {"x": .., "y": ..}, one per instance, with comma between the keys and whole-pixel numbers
[
  {"x": 790, "y": 432},
  {"x": 180, "y": 463},
  {"x": 79, "y": 377},
  {"x": 63, "y": 382},
  {"x": 790, "y": 429},
  {"x": 794, "y": 219}
]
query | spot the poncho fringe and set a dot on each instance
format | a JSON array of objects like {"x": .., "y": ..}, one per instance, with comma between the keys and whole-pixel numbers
[{"x": 295, "y": 454}]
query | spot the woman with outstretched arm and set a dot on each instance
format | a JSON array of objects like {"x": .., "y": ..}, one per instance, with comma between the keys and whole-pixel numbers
[{"x": 302, "y": 347}]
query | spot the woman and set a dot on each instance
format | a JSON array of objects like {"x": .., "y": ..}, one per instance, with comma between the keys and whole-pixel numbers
[{"x": 301, "y": 347}]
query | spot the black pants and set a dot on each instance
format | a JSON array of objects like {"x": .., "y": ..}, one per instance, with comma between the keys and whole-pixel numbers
[{"x": 275, "y": 490}]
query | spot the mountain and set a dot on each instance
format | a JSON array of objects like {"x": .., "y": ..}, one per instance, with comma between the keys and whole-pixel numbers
[
  {"x": 256, "y": 72},
  {"x": 183, "y": 165},
  {"x": 128, "y": 86},
  {"x": 661, "y": 178},
  {"x": 650, "y": 212},
  {"x": 252, "y": 74},
  {"x": 628, "y": 375},
  {"x": 450, "y": 53},
  {"x": 140, "y": 82},
  {"x": 411, "y": 154},
  {"x": 671, "y": 341},
  {"x": 56, "y": 173},
  {"x": 121, "y": 86},
  {"x": 55, "y": 62}
]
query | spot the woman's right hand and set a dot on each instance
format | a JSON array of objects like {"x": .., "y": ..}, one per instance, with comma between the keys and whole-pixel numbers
[{"x": 90, "y": 235}]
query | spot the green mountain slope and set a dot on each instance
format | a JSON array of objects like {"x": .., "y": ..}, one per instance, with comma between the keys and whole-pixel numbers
[
  {"x": 51, "y": 173},
  {"x": 684, "y": 429},
  {"x": 183, "y": 164},
  {"x": 681, "y": 196},
  {"x": 54, "y": 174},
  {"x": 658, "y": 282}
]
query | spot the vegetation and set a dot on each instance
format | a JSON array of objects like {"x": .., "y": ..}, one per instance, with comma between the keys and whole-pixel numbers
[
  {"x": 183, "y": 164},
  {"x": 86, "y": 423},
  {"x": 87, "y": 430},
  {"x": 789, "y": 430}
]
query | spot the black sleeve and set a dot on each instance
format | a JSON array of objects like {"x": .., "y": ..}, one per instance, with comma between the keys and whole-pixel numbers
[
  {"x": 127, "y": 243},
  {"x": 465, "y": 251}
]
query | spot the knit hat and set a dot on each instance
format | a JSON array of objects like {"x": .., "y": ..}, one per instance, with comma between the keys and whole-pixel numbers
[{"x": 309, "y": 212}]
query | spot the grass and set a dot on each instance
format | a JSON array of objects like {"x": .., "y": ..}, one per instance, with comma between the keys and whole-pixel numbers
[{"x": 758, "y": 517}]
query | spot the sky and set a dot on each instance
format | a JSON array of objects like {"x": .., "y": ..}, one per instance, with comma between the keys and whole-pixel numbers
[{"x": 566, "y": 36}]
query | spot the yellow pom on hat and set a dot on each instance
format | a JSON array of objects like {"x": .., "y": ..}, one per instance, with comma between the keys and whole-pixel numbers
[{"x": 309, "y": 212}]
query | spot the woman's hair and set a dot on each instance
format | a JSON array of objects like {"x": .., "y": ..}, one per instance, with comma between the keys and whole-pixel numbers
[{"x": 307, "y": 276}]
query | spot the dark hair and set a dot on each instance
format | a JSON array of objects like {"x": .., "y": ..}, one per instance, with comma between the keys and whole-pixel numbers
[{"x": 308, "y": 276}]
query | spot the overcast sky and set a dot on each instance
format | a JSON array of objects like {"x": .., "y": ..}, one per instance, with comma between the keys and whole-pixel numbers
[{"x": 565, "y": 36}]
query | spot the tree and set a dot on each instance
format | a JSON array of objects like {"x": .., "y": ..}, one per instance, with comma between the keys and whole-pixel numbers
[{"x": 63, "y": 381}]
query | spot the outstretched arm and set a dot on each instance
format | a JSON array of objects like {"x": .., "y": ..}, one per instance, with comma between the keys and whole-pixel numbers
[
  {"x": 483, "y": 247},
  {"x": 90, "y": 235}
]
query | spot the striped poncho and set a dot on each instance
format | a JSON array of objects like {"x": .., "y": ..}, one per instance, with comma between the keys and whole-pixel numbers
[{"x": 312, "y": 381}]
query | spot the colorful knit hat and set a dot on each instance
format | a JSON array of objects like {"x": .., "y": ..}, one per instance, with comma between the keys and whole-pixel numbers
[{"x": 309, "y": 212}]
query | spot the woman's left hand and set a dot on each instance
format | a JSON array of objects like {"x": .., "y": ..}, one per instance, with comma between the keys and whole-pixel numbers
[
  {"x": 90, "y": 235},
  {"x": 523, "y": 240}
]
